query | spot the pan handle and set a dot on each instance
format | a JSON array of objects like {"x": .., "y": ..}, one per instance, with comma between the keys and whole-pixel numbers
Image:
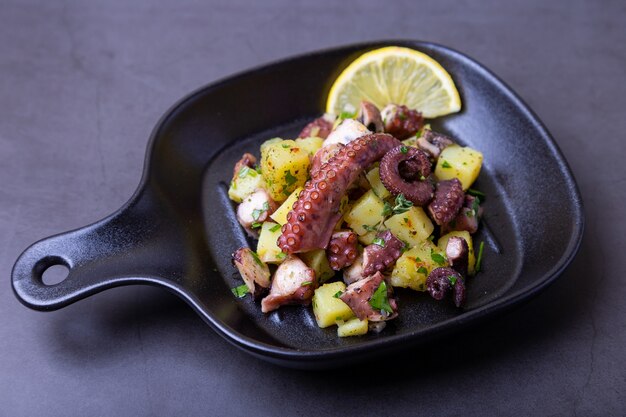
[{"x": 99, "y": 256}]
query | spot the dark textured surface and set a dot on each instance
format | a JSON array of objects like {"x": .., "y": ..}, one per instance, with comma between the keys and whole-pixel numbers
[{"x": 81, "y": 89}]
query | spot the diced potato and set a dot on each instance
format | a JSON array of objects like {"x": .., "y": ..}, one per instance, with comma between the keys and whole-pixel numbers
[
  {"x": 280, "y": 215},
  {"x": 374, "y": 179},
  {"x": 413, "y": 267},
  {"x": 457, "y": 162},
  {"x": 310, "y": 145},
  {"x": 327, "y": 308},
  {"x": 443, "y": 242},
  {"x": 317, "y": 260},
  {"x": 367, "y": 211},
  {"x": 285, "y": 167},
  {"x": 245, "y": 184},
  {"x": 267, "y": 249},
  {"x": 367, "y": 238},
  {"x": 270, "y": 142},
  {"x": 412, "y": 226},
  {"x": 352, "y": 327}
]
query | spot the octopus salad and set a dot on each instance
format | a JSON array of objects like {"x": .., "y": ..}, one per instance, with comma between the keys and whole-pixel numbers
[{"x": 357, "y": 205}]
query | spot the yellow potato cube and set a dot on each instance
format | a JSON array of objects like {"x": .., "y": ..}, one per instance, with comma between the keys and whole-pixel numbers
[
  {"x": 285, "y": 167},
  {"x": 377, "y": 186},
  {"x": 310, "y": 145},
  {"x": 368, "y": 238},
  {"x": 244, "y": 184},
  {"x": 267, "y": 249},
  {"x": 443, "y": 242},
  {"x": 352, "y": 327},
  {"x": 457, "y": 162},
  {"x": 280, "y": 215},
  {"x": 329, "y": 309},
  {"x": 317, "y": 260},
  {"x": 367, "y": 211},
  {"x": 412, "y": 226},
  {"x": 413, "y": 267}
]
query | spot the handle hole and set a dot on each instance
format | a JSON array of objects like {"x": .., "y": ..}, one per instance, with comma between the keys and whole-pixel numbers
[{"x": 55, "y": 274}]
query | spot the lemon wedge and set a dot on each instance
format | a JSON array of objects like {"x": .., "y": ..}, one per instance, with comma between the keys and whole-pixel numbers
[{"x": 396, "y": 75}]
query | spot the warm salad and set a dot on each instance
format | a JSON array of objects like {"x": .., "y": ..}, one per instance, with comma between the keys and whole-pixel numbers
[{"x": 359, "y": 203}]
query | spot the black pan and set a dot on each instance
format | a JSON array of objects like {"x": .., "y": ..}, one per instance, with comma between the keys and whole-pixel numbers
[{"x": 178, "y": 230}]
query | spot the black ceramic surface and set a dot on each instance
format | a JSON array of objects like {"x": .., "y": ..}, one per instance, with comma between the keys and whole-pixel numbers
[{"x": 178, "y": 230}]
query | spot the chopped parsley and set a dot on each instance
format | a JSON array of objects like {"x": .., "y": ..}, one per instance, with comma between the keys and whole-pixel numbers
[
  {"x": 337, "y": 294},
  {"x": 452, "y": 279},
  {"x": 281, "y": 255},
  {"x": 480, "y": 257},
  {"x": 290, "y": 179},
  {"x": 258, "y": 169},
  {"x": 256, "y": 258},
  {"x": 369, "y": 228},
  {"x": 437, "y": 257},
  {"x": 287, "y": 146},
  {"x": 379, "y": 241},
  {"x": 240, "y": 291},
  {"x": 476, "y": 193},
  {"x": 404, "y": 149},
  {"x": 422, "y": 270},
  {"x": 347, "y": 115},
  {"x": 446, "y": 165},
  {"x": 274, "y": 228},
  {"x": 379, "y": 299},
  {"x": 387, "y": 210},
  {"x": 244, "y": 171},
  {"x": 306, "y": 283},
  {"x": 256, "y": 225},
  {"x": 256, "y": 213},
  {"x": 402, "y": 205}
]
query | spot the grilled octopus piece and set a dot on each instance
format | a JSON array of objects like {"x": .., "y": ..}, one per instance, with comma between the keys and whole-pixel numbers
[
  {"x": 377, "y": 258},
  {"x": 358, "y": 295},
  {"x": 320, "y": 127},
  {"x": 400, "y": 121},
  {"x": 405, "y": 170},
  {"x": 467, "y": 219},
  {"x": 293, "y": 283},
  {"x": 448, "y": 200},
  {"x": 254, "y": 272}
]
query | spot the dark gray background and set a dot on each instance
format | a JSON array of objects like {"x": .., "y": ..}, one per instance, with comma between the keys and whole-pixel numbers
[{"x": 81, "y": 86}]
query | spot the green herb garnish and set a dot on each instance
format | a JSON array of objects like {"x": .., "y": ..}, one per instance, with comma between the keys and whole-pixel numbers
[
  {"x": 287, "y": 146},
  {"x": 452, "y": 279},
  {"x": 281, "y": 255},
  {"x": 347, "y": 115},
  {"x": 476, "y": 193},
  {"x": 290, "y": 179},
  {"x": 404, "y": 149},
  {"x": 240, "y": 291},
  {"x": 480, "y": 257},
  {"x": 402, "y": 205},
  {"x": 256, "y": 258},
  {"x": 437, "y": 257},
  {"x": 337, "y": 294},
  {"x": 379, "y": 299},
  {"x": 256, "y": 225},
  {"x": 274, "y": 228},
  {"x": 306, "y": 283},
  {"x": 446, "y": 165},
  {"x": 387, "y": 210},
  {"x": 247, "y": 171},
  {"x": 371, "y": 228},
  {"x": 422, "y": 270},
  {"x": 379, "y": 241},
  {"x": 256, "y": 213}
]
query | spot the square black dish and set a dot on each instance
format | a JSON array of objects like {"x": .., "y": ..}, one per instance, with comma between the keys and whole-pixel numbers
[{"x": 178, "y": 230}]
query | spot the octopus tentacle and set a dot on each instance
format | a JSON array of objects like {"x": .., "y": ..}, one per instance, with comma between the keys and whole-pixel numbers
[
  {"x": 405, "y": 170},
  {"x": 379, "y": 256},
  {"x": 448, "y": 200},
  {"x": 311, "y": 221},
  {"x": 342, "y": 249},
  {"x": 441, "y": 280}
]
